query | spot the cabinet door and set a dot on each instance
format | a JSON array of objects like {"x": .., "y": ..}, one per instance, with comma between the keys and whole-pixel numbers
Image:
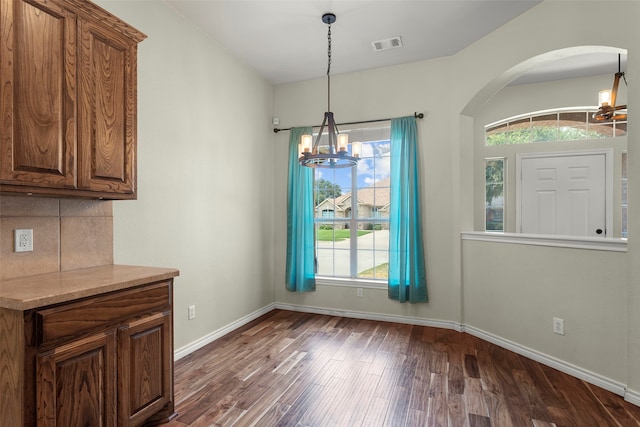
[
  {"x": 76, "y": 383},
  {"x": 145, "y": 371},
  {"x": 38, "y": 99},
  {"x": 107, "y": 110}
]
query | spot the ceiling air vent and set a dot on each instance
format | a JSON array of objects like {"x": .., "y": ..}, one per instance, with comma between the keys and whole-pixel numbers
[{"x": 386, "y": 44}]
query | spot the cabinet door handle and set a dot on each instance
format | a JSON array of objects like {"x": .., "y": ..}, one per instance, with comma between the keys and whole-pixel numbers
[{"x": 599, "y": 231}]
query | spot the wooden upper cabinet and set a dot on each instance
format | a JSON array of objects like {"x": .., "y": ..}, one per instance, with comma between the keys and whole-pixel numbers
[
  {"x": 69, "y": 100},
  {"x": 107, "y": 109},
  {"x": 38, "y": 103}
]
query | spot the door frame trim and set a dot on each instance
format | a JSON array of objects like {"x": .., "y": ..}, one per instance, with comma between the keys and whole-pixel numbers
[{"x": 608, "y": 177}]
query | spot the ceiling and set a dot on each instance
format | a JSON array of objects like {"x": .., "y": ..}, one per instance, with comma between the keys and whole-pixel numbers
[{"x": 286, "y": 40}]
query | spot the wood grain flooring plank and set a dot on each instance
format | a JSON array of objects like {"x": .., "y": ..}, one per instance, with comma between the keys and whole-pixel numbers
[
  {"x": 388, "y": 381},
  {"x": 456, "y": 379},
  {"x": 538, "y": 423},
  {"x": 529, "y": 392},
  {"x": 480, "y": 421},
  {"x": 437, "y": 413},
  {"x": 457, "y": 411},
  {"x": 438, "y": 362},
  {"x": 421, "y": 384},
  {"x": 562, "y": 417},
  {"x": 215, "y": 412},
  {"x": 498, "y": 409},
  {"x": 579, "y": 398},
  {"x": 300, "y": 405},
  {"x": 269, "y": 418},
  {"x": 398, "y": 408},
  {"x": 376, "y": 412},
  {"x": 355, "y": 400},
  {"x": 471, "y": 366},
  {"x": 504, "y": 364},
  {"x": 612, "y": 404},
  {"x": 416, "y": 418},
  {"x": 300, "y": 369},
  {"x": 474, "y": 400}
]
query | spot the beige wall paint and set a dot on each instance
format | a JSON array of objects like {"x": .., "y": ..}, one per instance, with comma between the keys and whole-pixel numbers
[
  {"x": 388, "y": 92},
  {"x": 203, "y": 117},
  {"x": 633, "y": 300},
  {"x": 514, "y": 291},
  {"x": 201, "y": 112},
  {"x": 453, "y": 92}
]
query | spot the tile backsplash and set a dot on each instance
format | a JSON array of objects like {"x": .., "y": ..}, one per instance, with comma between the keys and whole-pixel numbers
[{"x": 68, "y": 234}]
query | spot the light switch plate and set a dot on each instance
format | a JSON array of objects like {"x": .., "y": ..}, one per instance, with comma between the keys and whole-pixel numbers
[{"x": 23, "y": 240}]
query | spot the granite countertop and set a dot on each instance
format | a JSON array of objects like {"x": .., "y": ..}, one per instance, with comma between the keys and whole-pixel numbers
[{"x": 24, "y": 293}]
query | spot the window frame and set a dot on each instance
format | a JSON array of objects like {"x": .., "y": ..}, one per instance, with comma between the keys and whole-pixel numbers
[
  {"x": 353, "y": 222},
  {"x": 504, "y": 192}
]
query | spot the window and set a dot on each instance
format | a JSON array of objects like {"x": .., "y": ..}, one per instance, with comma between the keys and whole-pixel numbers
[
  {"x": 328, "y": 213},
  {"x": 549, "y": 133},
  {"x": 352, "y": 242},
  {"x": 494, "y": 194},
  {"x": 547, "y": 126}
]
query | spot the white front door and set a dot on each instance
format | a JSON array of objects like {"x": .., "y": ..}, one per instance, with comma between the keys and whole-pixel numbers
[{"x": 564, "y": 195}]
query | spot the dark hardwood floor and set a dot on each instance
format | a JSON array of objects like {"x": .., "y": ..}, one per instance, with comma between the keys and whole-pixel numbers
[{"x": 297, "y": 369}]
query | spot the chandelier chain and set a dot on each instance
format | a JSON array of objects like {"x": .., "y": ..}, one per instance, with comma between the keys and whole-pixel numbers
[
  {"x": 329, "y": 50},
  {"x": 329, "y": 69}
]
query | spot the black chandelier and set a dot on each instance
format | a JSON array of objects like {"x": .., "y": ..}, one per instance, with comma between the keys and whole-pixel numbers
[{"x": 336, "y": 154}]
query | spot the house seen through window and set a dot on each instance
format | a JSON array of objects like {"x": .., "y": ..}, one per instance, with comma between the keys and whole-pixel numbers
[{"x": 352, "y": 211}]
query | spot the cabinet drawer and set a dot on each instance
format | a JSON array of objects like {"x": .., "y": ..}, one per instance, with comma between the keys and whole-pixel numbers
[{"x": 100, "y": 312}]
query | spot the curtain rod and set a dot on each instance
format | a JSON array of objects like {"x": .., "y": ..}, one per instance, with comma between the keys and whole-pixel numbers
[{"x": 416, "y": 115}]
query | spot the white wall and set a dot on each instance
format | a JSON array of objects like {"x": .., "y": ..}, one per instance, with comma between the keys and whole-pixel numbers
[{"x": 201, "y": 116}]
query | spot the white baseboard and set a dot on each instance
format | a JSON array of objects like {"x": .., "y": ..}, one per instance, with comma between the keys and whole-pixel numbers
[
  {"x": 632, "y": 396},
  {"x": 446, "y": 324},
  {"x": 568, "y": 368},
  {"x": 209, "y": 338}
]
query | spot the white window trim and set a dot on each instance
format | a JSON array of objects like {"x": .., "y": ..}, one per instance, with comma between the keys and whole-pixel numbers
[
  {"x": 345, "y": 281},
  {"x": 504, "y": 193},
  {"x": 609, "y": 244}
]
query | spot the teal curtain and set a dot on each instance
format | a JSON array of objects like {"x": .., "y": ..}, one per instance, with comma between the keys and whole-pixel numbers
[
  {"x": 407, "y": 271},
  {"x": 300, "y": 272}
]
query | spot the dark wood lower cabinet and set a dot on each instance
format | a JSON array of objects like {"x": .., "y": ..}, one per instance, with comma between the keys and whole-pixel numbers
[
  {"x": 76, "y": 383},
  {"x": 101, "y": 361},
  {"x": 145, "y": 370}
]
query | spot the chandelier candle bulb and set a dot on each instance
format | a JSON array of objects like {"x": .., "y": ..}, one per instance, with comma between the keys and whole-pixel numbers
[
  {"x": 604, "y": 97},
  {"x": 343, "y": 142},
  {"x": 306, "y": 143},
  {"x": 355, "y": 149}
]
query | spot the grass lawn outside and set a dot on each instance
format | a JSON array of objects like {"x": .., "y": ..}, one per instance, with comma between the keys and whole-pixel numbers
[
  {"x": 337, "y": 235},
  {"x": 378, "y": 272}
]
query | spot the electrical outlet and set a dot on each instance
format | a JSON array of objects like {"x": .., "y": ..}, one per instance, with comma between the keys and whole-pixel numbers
[
  {"x": 558, "y": 326},
  {"x": 23, "y": 240},
  {"x": 192, "y": 312},
  {"x": 359, "y": 292}
]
